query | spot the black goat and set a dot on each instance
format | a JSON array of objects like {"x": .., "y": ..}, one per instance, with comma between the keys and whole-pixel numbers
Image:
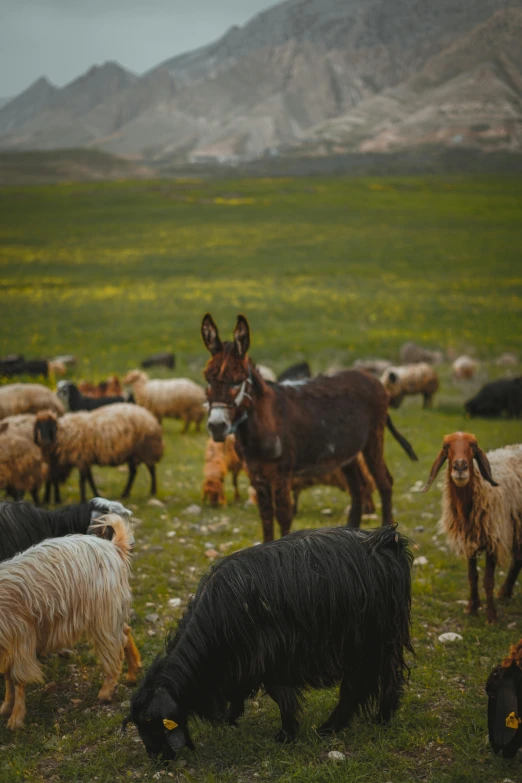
[
  {"x": 504, "y": 690},
  {"x": 23, "y": 525},
  {"x": 162, "y": 359},
  {"x": 496, "y": 397},
  {"x": 314, "y": 608},
  {"x": 74, "y": 400},
  {"x": 297, "y": 372}
]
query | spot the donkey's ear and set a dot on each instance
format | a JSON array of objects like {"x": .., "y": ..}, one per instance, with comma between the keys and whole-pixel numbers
[
  {"x": 483, "y": 463},
  {"x": 439, "y": 462},
  {"x": 242, "y": 336},
  {"x": 210, "y": 335}
]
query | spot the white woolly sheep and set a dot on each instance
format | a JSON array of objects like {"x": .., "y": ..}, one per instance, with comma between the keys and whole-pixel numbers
[
  {"x": 266, "y": 373},
  {"x": 175, "y": 398},
  {"x": 22, "y": 466},
  {"x": 28, "y": 398},
  {"x": 479, "y": 514},
  {"x": 53, "y": 594},
  {"x": 112, "y": 435},
  {"x": 464, "y": 367},
  {"x": 410, "y": 379}
]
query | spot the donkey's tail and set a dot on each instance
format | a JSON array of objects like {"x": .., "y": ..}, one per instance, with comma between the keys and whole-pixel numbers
[{"x": 406, "y": 445}]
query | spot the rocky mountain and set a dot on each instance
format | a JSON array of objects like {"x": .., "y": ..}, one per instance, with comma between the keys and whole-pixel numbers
[{"x": 309, "y": 77}]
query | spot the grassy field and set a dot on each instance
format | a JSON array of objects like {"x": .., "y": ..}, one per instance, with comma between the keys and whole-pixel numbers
[{"x": 327, "y": 270}]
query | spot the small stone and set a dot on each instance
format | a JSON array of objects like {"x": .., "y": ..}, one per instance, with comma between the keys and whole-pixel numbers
[
  {"x": 449, "y": 637},
  {"x": 420, "y": 561},
  {"x": 211, "y": 553},
  {"x": 419, "y": 529},
  {"x": 327, "y": 512},
  {"x": 512, "y": 625},
  {"x": 152, "y": 618},
  {"x": 463, "y": 602},
  {"x": 193, "y": 509},
  {"x": 156, "y": 548},
  {"x": 156, "y": 502},
  {"x": 151, "y": 632},
  {"x": 171, "y": 534},
  {"x": 76, "y": 701},
  {"x": 125, "y": 704},
  {"x": 174, "y": 602},
  {"x": 336, "y": 755}
]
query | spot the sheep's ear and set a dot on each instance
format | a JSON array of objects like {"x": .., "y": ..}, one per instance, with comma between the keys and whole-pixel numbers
[
  {"x": 210, "y": 335},
  {"x": 242, "y": 336},
  {"x": 439, "y": 462},
  {"x": 392, "y": 377},
  {"x": 483, "y": 463}
]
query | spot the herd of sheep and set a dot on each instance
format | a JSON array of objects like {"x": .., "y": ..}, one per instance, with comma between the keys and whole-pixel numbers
[{"x": 222, "y": 652}]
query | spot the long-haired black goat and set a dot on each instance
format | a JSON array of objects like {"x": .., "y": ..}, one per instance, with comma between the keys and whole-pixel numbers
[
  {"x": 504, "y": 690},
  {"x": 23, "y": 525},
  {"x": 315, "y": 608}
]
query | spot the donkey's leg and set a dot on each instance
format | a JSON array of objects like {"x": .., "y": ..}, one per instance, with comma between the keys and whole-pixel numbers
[
  {"x": 353, "y": 475},
  {"x": 283, "y": 504},
  {"x": 374, "y": 457},
  {"x": 265, "y": 504}
]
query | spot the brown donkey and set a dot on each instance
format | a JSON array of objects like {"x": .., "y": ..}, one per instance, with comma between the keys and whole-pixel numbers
[{"x": 301, "y": 429}]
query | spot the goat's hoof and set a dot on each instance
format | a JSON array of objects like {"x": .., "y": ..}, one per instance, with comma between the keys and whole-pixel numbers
[
  {"x": 6, "y": 710},
  {"x": 325, "y": 730},
  {"x": 15, "y": 724},
  {"x": 284, "y": 737},
  {"x": 131, "y": 680},
  {"x": 472, "y": 609},
  {"x": 492, "y": 620}
]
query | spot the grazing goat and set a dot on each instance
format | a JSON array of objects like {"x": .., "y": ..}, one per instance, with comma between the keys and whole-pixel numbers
[
  {"x": 28, "y": 398},
  {"x": 411, "y": 353},
  {"x": 74, "y": 400},
  {"x": 176, "y": 398},
  {"x": 22, "y": 525},
  {"x": 53, "y": 594},
  {"x": 112, "y": 435},
  {"x": 479, "y": 514},
  {"x": 22, "y": 467},
  {"x": 300, "y": 429},
  {"x": 161, "y": 359},
  {"x": 21, "y": 366},
  {"x": 220, "y": 459},
  {"x": 504, "y": 690},
  {"x": 297, "y": 372},
  {"x": 316, "y": 608},
  {"x": 410, "y": 379},
  {"x": 496, "y": 397}
]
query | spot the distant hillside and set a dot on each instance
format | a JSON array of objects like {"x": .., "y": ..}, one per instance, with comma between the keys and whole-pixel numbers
[
  {"x": 305, "y": 77},
  {"x": 25, "y": 168}
]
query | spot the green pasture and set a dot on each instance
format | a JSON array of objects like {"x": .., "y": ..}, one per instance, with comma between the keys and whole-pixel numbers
[{"x": 327, "y": 270}]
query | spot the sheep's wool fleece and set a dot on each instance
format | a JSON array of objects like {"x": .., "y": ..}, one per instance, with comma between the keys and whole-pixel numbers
[
  {"x": 495, "y": 521},
  {"x": 412, "y": 378}
]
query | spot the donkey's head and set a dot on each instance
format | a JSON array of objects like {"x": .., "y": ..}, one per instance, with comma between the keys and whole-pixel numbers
[{"x": 229, "y": 377}]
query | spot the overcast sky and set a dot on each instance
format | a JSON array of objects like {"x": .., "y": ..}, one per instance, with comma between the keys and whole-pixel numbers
[{"x": 61, "y": 39}]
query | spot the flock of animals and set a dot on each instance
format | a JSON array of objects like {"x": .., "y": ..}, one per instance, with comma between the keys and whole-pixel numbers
[{"x": 314, "y": 608}]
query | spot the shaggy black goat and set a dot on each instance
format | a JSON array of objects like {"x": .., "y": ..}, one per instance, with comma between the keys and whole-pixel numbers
[
  {"x": 22, "y": 525},
  {"x": 162, "y": 359},
  {"x": 74, "y": 400},
  {"x": 315, "y": 608},
  {"x": 504, "y": 690},
  {"x": 297, "y": 372},
  {"x": 496, "y": 397}
]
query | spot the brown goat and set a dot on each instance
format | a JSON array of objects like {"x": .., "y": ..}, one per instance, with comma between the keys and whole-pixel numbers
[
  {"x": 479, "y": 514},
  {"x": 220, "y": 459},
  {"x": 302, "y": 430},
  {"x": 109, "y": 388}
]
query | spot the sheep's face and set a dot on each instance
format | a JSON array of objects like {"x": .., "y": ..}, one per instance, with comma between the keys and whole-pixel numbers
[
  {"x": 134, "y": 376},
  {"x": 161, "y": 725},
  {"x": 460, "y": 449},
  {"x": 504, "y": 690},
  {"x": 392, "y": 383},
  {"x": 228, "y": 377},
  {"x": 45, "y": 429}
]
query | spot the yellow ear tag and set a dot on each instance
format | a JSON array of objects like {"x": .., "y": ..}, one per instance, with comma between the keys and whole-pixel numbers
[
  {"x": 170, "y": 724},
  {"x": 512, "y": 721}
]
